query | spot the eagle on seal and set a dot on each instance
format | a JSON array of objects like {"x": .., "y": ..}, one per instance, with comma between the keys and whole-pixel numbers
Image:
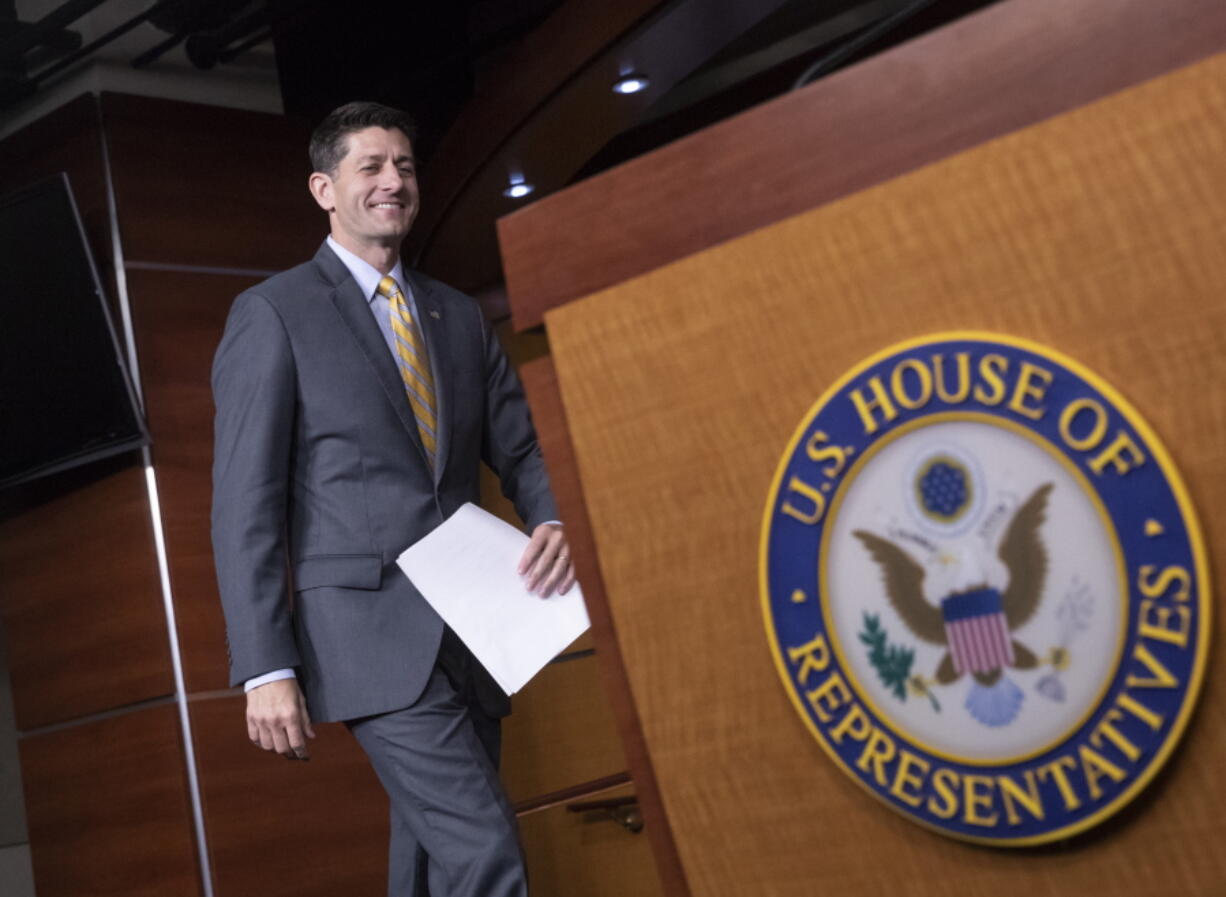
[{"x": 974, "y": 618}]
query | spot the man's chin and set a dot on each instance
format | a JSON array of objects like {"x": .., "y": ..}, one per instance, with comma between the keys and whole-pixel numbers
[{"x": 390, "y": 234}]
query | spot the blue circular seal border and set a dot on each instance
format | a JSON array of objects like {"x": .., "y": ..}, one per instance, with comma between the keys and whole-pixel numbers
[{"x": 1076, "y": 783}]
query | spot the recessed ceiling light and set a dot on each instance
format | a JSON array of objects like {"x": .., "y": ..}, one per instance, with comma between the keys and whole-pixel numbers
[
  {"x": 631, "y": 83},
  {"x": 515, "y": 191}
]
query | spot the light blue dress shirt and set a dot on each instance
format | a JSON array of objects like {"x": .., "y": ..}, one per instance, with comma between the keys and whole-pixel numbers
[{"x": 367, "y": 277}]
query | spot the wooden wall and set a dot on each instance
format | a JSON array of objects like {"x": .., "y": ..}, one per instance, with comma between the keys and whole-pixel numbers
[
  {"x": 208, "y": 201},
  {"x": 89, "y": 657},
  {"x": 118, "y": 640}
]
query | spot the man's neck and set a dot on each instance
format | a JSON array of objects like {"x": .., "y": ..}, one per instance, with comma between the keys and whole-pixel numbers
[{"x": 381, "y": 258}]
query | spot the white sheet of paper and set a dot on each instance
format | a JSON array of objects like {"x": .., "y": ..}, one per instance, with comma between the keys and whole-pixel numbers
[{"x": 466, "y": 569}]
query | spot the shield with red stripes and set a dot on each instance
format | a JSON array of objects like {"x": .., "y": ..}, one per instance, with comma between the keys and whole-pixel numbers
[{"x": 977, "y": 631}]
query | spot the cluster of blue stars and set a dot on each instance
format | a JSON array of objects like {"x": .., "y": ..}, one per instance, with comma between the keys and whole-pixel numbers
[{"x": 944, "y": 490}]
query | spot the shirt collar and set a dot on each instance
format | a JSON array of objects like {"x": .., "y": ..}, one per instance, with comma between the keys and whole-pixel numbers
[{"x": 365, "y": 274}]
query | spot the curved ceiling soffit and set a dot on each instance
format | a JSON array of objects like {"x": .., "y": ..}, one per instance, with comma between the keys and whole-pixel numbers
[
  {"x": 538, "y": 66},
  {"x": 567, "y": 126}
]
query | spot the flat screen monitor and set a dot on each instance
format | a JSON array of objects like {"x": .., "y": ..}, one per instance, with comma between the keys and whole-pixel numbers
[{"x": 65, "y": 395}]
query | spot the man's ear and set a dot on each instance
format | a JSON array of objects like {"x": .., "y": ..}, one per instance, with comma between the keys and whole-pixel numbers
[{"x": 320, "y": 186}]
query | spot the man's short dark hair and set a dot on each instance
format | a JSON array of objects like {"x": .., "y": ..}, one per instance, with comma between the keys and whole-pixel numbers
[{"x": 328, "y": 142}]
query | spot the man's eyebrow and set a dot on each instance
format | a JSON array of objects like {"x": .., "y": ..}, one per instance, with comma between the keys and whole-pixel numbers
[{"x": 379, "y": 157}]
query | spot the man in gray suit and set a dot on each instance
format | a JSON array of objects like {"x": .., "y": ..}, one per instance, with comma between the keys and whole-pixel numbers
[{"x": 355, "y": 401}]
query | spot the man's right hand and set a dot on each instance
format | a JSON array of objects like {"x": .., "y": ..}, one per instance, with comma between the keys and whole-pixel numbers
[{"x": 277, "y": 719}]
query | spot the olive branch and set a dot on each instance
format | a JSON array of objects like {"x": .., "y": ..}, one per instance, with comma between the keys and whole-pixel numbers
[{"x": 892, "y": 662}]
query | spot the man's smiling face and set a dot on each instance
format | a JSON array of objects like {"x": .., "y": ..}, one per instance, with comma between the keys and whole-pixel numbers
[{"x": 372, "y": 195}]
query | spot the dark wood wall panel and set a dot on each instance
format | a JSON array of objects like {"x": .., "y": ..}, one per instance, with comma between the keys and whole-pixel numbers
[
  {"x": 541, "y": 383},
  {"x": 201, "y": 185},
  {"x": 80, "y": 594},
  {"x": 520, "y": 348},
  {"x": 79, "y": 588},
  {"x": 562, "y": 732},
  {"x": 517, "y": 97},
  {"x": 504, "y": 99},
  {"x": 178, "y": 318},
  {"x": 587, "y": 854},
  {"x": 281, "y": 828},
  {"x": 69, "y": 140},
  {"x": 108, "y": 808},
  {"x": 999, "y": 70}
]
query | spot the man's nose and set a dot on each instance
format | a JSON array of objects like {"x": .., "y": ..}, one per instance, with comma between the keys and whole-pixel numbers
[{"x": 391, "y": 178}]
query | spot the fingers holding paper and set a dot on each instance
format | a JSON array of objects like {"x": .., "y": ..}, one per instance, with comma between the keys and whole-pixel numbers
[
  {"x": 546, "y": 565},
  {"x": 474, "y": 569}
]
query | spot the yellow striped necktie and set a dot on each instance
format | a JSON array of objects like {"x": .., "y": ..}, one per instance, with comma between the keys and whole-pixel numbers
[{"x": 414, "y": 367}]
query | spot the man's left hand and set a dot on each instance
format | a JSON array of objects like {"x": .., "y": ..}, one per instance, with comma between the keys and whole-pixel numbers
[{"x": 546, "y": 565}]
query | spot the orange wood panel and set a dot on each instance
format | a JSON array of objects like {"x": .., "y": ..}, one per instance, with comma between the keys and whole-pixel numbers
[
  {"x": 80, "y": 594},
  {"x": 178, "y": 319},
  {"x": 561, "y": 732},
  {"x": 990, "y": 73},
  {"x": 202, "y": 185},
  {"x": 541, "y": 383},
  {"x": 281, "y": 827},
  {"x": 108, "y": 808},
  {"x": 587, "y": 854},
  {"x": 1098, "y": 233}
]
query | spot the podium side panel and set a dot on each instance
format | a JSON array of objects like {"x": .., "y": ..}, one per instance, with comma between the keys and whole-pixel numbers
[{"x": 1099, "y": 233}]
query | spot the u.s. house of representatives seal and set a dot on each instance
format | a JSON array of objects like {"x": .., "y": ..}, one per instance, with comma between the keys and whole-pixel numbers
[{"x": 985, "y": 588}]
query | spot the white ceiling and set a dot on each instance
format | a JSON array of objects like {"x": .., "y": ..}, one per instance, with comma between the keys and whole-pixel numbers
[{"x": 248, "y": 82}]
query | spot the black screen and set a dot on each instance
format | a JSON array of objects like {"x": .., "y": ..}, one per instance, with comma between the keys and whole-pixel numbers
[{"x": 65, "y": 397}]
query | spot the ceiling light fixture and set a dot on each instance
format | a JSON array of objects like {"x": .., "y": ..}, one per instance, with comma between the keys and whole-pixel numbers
[
  {"x": 518, "y": 187},
  {"x": 631, "y": 82}
]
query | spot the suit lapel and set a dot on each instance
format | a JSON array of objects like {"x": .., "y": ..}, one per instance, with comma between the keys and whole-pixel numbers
[
  {"x": 434, "y": 331},
  {"x": 354, "y": 310}
]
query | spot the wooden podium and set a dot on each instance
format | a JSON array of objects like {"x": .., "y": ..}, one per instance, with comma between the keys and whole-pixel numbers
[{"x": 1082, "y": 208}]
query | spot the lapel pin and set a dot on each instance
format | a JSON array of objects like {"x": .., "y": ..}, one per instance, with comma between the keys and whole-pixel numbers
[{"x": 434, "y": 314}]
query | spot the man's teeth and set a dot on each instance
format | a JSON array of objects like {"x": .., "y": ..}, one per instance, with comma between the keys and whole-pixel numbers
[{"x": 387, "y": 205}]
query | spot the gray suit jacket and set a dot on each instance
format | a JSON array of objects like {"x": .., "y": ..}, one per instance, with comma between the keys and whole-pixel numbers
[{"x": 319, "y": 472}]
